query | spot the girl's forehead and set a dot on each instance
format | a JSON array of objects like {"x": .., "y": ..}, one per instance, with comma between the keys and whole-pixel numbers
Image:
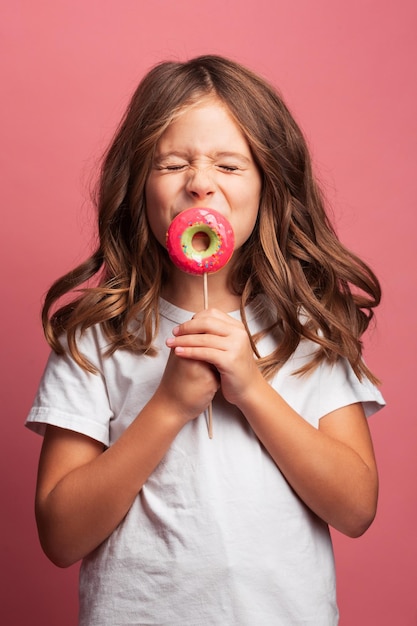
[
  {"x": 200, "y": 101},
  {"x": 204, "y": 130},
  {"x": 207, "y": 113}
]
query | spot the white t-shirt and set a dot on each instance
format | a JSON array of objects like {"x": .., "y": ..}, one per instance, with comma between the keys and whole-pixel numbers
[{"x": 216, "y": 536}]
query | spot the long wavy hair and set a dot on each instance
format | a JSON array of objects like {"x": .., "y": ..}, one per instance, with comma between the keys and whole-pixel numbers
[{"x": 315, "y": 288}]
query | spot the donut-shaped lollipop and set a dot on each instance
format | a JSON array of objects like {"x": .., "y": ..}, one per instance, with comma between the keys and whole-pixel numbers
[{"x": 187, "y": 227}]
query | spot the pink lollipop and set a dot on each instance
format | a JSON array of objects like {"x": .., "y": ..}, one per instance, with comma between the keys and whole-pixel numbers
[
  {"x": 191, "y": 226},
  {"x": 188, "y": 230}
]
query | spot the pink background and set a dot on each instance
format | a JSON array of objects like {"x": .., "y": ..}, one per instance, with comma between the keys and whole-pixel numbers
[{"x": 347, "y": 69}]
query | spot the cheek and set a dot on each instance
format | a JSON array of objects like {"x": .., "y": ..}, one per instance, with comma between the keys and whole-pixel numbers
[
  {"x": 156, "y": 224},
  {"x": 151, "y": 192},
  {"x": 160, "y": 194},
  {"x": 257, "y": 189},
  {"x": 253, "y": 200},
  {"x": 251, "y": 190},
  {"x": 243, "y": 228}
]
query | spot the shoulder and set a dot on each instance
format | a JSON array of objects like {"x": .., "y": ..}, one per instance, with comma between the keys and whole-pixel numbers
[
  {"x": 328, "y": 387},
  {"x": 91, "y": 343}
]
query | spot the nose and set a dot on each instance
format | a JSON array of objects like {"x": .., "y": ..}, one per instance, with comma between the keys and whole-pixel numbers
[{"x": 200, "y": 184}]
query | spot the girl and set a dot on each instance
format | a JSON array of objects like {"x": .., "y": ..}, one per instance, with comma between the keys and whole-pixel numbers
[{"x": 173, "y": 528}]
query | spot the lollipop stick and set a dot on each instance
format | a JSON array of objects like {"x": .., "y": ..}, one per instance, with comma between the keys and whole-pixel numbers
[
  {"x": 205, "y": 290},
  {"x": 210, "y": 406},
  {"x": 210, "y": 421}
]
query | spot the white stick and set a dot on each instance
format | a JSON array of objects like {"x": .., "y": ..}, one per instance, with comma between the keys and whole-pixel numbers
[
  {"x": 210, "y": 406},
  {"x": 205, "y": 290}
]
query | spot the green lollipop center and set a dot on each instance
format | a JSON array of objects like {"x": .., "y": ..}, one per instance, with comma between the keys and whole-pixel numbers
[{"x": 200, "y": 241}]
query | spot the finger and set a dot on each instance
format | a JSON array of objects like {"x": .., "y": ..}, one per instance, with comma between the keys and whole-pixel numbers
[
  {"x": 207, "y": 324},
  {"x": 201, "y": 353},
  {"x": 216, "y": 342}
]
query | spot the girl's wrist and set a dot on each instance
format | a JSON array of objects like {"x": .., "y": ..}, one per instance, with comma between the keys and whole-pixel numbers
[
  {"x": 248, "y": 400},
  {"x": 167, "y": 409}
]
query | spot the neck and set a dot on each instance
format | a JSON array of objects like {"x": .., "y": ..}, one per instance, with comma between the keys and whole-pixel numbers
[{"x": 186, "y": 291}]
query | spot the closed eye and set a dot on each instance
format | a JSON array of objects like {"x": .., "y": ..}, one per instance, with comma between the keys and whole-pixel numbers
[
  {"x": 228, "y": 168},
  {"x": 175, "y": 168}
]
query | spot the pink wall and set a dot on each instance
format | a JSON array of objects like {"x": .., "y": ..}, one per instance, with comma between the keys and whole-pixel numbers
[{"x": 348, "y": 71}]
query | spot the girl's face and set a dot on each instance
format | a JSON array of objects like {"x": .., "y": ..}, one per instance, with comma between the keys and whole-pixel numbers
[{"x": 204, "y": 160}]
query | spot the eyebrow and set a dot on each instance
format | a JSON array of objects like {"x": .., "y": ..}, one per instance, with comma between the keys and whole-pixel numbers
[
  {"x": 175, "y": 153},
  {"x": 216, "y": 155},
  {"x": 233, "y": 155}
]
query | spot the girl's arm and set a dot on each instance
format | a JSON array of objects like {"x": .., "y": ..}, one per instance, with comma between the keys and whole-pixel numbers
[
  {"x": 84, "y": 492},
  {"x": 332, "y": 468}
]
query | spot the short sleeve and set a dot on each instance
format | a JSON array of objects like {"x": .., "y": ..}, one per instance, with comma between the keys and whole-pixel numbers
[
  {"x": 339, "y": 386},
  {"x": 71, "y": 398},
  {"x": 326, "y": 388}
]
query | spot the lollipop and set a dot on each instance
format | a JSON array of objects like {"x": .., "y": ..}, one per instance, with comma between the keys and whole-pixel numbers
[
  {"x": 192, "y": 227},
  {"x": 192, "y": 230}
]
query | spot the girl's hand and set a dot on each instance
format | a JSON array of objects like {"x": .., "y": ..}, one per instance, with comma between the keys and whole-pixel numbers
[
  {"x": 187, "y": 386},
  {"x": 222, "y": 341}
]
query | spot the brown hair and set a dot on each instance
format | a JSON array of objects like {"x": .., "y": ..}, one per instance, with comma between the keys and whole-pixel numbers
[{"x": 316, "y": 288}]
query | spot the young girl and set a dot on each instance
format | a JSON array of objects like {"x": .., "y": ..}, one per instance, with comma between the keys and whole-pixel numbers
[{"x": 174, "y": 528}]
